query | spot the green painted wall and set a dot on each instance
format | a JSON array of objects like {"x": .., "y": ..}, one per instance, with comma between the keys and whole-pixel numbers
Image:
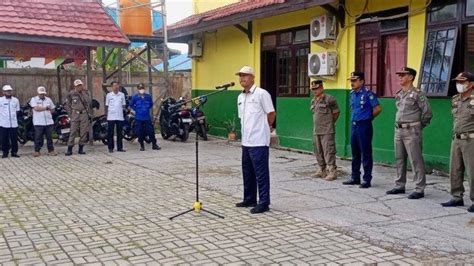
[{"x": 294, "y": 125}]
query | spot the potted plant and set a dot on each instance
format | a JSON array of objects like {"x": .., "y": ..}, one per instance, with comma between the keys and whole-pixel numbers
[{"x": 231, "y": 131}]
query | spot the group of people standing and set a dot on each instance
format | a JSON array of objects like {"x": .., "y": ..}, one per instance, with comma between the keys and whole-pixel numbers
[
  {"x": 413, "y": 114},
  {"x": 78, "y": 104}
]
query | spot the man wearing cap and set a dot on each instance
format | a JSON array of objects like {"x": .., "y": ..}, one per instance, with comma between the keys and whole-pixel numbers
[
  {"x": 9, "y": 106},
  {"x": 78, "y": 105},
  {"x": 256, "y": 113},
  {"x": 413, "y": 114},
  {"x": 43, "y": 107},
  {"x": 365, "y": 107},
  {"x": 142, "y": 103},
  {"x": 114, "y": 106},
  {"x": 462, "y": 145},
  {"x": 325, "y": 113}
]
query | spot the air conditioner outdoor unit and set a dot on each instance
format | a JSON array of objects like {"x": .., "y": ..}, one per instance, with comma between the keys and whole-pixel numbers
[
  {"x": 195, "y": 48},
  {"x": 323, "y": 28},
  {"x": 322, "y": 64}
]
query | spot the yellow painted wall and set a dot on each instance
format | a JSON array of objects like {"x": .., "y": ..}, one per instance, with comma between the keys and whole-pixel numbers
[
  {"x": 227, "y": 49},
  {"x": 200, "y": 6}
]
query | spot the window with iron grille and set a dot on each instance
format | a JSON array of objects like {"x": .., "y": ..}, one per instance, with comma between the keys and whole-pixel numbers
[{"x": 449, "y": 39}]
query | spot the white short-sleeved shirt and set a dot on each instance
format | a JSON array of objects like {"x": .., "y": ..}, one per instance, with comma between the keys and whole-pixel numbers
[
  {"x": 253, "y": 108},
  {"x": 8, "y": 109},
  {"x": 115, "y": 103},
  {"x": 42, "y": 118}
]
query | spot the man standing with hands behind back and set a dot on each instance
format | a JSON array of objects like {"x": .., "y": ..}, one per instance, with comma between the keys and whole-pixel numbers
[{"x": 256, "y": 115}]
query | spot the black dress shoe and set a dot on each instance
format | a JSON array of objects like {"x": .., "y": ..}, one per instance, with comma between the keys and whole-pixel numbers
[
  {"x": 351, "y": 182},
  {"x": 416, "y": 195},
  {"x": 15, "y": 155},
  {"x": 142, "y": 149},
  {"x": 5, "y": 156},
  {"x": 365, "y": 185},
  {"x": 260, "y": 208},
  {"x": 244, "y": 204},
  {"x": 395, "y": 191},
  {"x": 121, "y": 150},
  {"x": 453, "y": 203},
  {"x": 156, "y": 147},
  {"x": 111, "y": 151},
  {"x": 471, "y": 209}
]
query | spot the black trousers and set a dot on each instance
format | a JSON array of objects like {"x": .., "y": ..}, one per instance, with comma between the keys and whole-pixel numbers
[
  {"x": 40, "y": 133},
  {"x": 118, "y": 125},
  {"x": 9, "y": 137},
  {"x": 143, "y": 129}
]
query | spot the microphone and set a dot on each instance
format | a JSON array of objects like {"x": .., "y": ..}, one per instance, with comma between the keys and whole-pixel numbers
[{"x": 227, "y": 85}]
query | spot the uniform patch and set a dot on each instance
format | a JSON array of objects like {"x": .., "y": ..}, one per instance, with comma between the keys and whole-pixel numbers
[
  {"x": 371, "y": 97},
  {"x": 422, "y": 98}
]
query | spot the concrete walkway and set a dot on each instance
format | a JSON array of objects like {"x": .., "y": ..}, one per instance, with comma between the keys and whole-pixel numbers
[{"x": 114, "y": 209}]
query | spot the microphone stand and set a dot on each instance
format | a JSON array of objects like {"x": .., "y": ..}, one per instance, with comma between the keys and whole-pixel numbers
[{"x": 197, "y": 207}]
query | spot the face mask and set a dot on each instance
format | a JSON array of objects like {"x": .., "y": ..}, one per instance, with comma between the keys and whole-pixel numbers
[
  {"x": 461, "y": 87},
  {"x": 141, "y": 91}
]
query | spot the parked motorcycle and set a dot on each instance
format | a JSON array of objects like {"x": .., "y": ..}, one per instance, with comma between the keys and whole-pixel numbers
[
  {"x": 128, "y": 129},
  {"x": 199, "y": 118},
  {"x": 99, "y": 125},
  {"x": 174, "y": 120},
  {"x": 62, "y": 123},
  {"x": 26, "y": 130}
]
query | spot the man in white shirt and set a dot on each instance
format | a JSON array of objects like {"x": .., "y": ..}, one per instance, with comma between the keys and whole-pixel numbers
[
  {"x": 114, "y": 105},
  {"x": 43, "y": 107},
  {"x": 257, "y": 114},
  {"x": 9, "y": 106}
]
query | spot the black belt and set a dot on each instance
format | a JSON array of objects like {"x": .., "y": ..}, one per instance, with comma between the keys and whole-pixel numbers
[
  {"x": 355, "y": 123},
  {"x": 407, "y": 125},
  {"x": 466, "y": 135}
]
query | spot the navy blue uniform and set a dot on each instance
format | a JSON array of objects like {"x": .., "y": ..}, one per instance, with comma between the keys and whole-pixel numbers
[
  {"x": 362, "y": 103},
  {"x": 143, "y": 126}
]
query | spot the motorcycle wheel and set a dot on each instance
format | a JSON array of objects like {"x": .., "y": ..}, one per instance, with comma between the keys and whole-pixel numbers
[
  {"x": 22, "y": 139},
  {"x": 147, "y": 139},
  {"x": 127, "y": 134},
  {"x": 184, "y": 137},
  {"x": 163, "y": 132},
  {"x": 203, "y": 131}
]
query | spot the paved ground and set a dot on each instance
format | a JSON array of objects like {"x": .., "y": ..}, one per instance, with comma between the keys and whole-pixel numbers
[{"x": 114, "y": 209}]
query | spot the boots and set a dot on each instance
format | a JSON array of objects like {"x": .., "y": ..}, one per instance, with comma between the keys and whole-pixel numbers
[
  {"x": 142, "y": 146},
  {"x": 81, "y": 149},
  {"x": 156, "y": 147},
  {"x": 332, "y": 174},
  {"x": 69, "y": 150},
  {"x": 321, "y": 173}
]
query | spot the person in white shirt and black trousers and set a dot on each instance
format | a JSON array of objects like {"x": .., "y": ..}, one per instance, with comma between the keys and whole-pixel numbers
[
  {"x": 9, "y": 107},
  {"x": 114, "y": 106},
  {"x": 43, "y": 107},
  {"x": 257, "y": 115}
]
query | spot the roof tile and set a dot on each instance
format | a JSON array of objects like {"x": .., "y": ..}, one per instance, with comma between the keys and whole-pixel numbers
[
  {"x": 68, "y": 19},
  {"x": 224, "y": 11}
]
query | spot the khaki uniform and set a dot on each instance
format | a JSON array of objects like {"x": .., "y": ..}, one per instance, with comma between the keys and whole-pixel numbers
[
  {"x": 77, "y": 104},
  {"x": 324, "y": 130},
  {"x": 413, "y": 114},
  {"x": 462, "y": 146}
]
